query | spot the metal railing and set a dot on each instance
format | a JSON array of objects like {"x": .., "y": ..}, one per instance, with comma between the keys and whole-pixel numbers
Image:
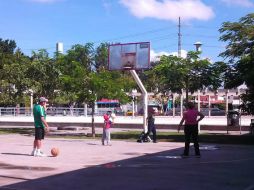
[
  {"x": 13, "y": 111},
  {"x": 67, "y": 111},
  {"x": 53, "y": 111}
]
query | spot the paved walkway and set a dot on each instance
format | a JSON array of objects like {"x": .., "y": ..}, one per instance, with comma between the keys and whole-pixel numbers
[{"x": 86, "y": 164}]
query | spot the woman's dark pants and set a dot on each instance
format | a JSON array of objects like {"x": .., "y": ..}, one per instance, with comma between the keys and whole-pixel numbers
[{"x": 191, "y": 131}]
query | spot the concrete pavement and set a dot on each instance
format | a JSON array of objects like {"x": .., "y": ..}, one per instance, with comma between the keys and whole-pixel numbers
[{"x": 86, "y": 164}]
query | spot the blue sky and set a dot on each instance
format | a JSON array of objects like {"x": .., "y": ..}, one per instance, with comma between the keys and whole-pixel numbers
[{"x": 36, "y": 24}]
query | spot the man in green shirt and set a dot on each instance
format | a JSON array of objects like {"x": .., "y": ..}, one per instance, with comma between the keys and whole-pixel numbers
[{"x": 41, "y": 126}]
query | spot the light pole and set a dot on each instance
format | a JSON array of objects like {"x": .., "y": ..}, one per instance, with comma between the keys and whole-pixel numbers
[
  {"x": 31, "y": 100},
  {"x": 133, "y": 93},
  {"x": 198, "y": 49}
]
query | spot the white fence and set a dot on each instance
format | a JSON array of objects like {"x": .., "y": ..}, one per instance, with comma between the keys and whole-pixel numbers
[
  {"x": 53, "y": 111},
  {"x": 66, "y": 111}
]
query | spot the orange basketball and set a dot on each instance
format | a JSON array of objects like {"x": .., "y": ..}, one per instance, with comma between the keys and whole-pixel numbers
[{"x": 54, "y": 152}]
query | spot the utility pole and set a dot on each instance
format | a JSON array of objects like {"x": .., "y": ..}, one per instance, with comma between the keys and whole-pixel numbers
[{"x": 179, "y": 38}]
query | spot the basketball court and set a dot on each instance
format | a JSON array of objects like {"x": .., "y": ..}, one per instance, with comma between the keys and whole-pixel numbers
[{"x": 86, "y": 164}]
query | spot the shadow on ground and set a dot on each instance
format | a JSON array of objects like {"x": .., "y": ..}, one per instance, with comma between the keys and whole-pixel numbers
[{"x": 222, "y": 167}]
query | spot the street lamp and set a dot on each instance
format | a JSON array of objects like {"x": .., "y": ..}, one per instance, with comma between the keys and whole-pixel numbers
[{"x": 198, "y": 46}]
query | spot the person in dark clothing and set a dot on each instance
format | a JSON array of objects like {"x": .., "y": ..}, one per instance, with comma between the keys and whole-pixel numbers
[{"x": 151, "y": 126}]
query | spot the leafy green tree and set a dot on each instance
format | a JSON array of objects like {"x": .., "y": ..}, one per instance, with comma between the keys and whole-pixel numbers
[
  {"x": 44, "y": 74},
  {"x": 105, "y": 84},
  {"x": 7, "y": 46},
  {"x": 215, "y": 75},
  {"x": 82, "y": 82},
  {"x": 190, "y": 74},
  {"x": 74, "y": 68},
  {"x": 240, "y": 55},
  {"x": 13, "y": 67},
  {"x": 101, "y": 57},
  {"x": 84, "y": 54},
  {"x": 15, "y": 77}
]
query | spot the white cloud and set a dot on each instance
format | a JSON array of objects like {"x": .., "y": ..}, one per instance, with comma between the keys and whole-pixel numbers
[
  {"x": 243, "y": 3},
  {"x": 156, "y": 56},
  {"x": 169, "y": 9},
  {"x": 183, "y": 53}
]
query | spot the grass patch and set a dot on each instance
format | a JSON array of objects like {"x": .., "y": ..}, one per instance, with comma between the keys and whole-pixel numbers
[
  {"x": 179, "y": 137},
  {"x": 22, "y": 131},
  {"x": 162, "y": 136},
  {"x": 134, "y": 135}
]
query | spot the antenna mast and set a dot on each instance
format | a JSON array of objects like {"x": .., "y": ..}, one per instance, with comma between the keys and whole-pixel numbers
[{"x": 179, "y": 38}]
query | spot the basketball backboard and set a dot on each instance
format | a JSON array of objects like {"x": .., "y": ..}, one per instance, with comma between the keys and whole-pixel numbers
[{"x": 129, "y": 56}]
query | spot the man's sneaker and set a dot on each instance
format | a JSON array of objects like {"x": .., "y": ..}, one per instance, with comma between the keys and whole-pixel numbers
[
  {"x": 34, "y": 152},
  {"x": 40, "y": 154},
  {"x": 198, "y": 156}
]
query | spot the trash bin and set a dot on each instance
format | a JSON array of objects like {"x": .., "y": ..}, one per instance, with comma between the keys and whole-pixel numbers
[
  {"x": 233, "y": 118},
  {"x": 252, "y": 126}
]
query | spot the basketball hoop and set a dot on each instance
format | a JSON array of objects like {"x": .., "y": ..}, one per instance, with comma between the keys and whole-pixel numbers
[{"x": 132, "y": 57}]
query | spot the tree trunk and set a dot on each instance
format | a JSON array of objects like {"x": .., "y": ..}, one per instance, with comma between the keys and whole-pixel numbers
[
  {"x": 93, "y": 127},
  {"x": 187, "y": 95},
  {"x": 187, "y": 90}
]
